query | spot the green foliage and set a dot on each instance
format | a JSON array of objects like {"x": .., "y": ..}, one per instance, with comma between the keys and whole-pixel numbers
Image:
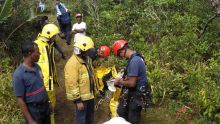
[
  {"x": 10, "y": 114},
  {"x": 17, "y": 30},
  {"x": 181, "y": 65},
  {"x": 6, "y": 10}
]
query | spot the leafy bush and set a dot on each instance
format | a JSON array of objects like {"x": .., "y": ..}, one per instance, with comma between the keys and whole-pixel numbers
[
  {"x": 180, "y": 64},
  {"x": 9, "y": 112},
  {"x": 183, "y": 64}
]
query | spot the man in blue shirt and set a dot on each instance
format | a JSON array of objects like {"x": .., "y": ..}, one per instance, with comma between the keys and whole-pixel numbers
[
  {"x": 64, "y": 20},
  {"x": 134, "y": 82},
  {"x": 29, "y": 87}
]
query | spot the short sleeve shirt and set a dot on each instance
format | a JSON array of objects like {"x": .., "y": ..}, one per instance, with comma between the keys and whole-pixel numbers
[
  {"x": 81, "y": 25},
  {"x": 28, "y": 83},
  {"x": 137, "y": 68}
]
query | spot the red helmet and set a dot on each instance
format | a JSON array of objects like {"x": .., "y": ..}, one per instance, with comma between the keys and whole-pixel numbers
[
  {"x": 118, "y": 44},
  {"x": 104, "y": 51}
]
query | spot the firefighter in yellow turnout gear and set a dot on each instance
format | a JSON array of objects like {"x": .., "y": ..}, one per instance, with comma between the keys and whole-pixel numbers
[
  {"x": 80, "y": 80},
  {"x": 103, "y": 75},
  {"x": 46, "y": 44}
]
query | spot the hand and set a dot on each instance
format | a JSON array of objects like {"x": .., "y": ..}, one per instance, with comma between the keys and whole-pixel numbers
[
  {"x": 80, "y": 106},
  {"x": 117, "y": 81},
  {"x": 32, "y": 122}
]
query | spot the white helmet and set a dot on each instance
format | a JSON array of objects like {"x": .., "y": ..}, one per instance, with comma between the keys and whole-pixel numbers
[{"x": 117, "y": 120}]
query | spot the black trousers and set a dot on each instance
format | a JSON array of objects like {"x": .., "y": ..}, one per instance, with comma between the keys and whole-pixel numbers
[
  {"x": 131, "y": 113},
  {"x": 39, "y": 112},
  {"x": 66, "y": 29}
]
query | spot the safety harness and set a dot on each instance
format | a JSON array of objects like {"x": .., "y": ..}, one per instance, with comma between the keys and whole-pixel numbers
[{"x": 139, "y": 94}]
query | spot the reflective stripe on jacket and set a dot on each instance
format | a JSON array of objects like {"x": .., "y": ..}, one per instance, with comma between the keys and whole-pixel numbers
[
  {"x": 47, "y": 63},
  {"x": 77, "y": 80}
]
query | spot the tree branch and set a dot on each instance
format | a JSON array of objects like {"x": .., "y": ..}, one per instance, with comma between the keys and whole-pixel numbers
[{"x": 207, "y": 23}]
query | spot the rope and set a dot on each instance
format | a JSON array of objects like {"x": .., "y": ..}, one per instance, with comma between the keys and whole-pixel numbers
[
  {"x": 99, "y": 103},
  {"x": 107, "y": 97}
]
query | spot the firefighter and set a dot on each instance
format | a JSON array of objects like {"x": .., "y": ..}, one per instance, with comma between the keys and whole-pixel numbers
[
  {"x": 134, "y": 83},
  {"x": 105, "y": 74},
  {"x": 46, "y": 43},
  {"x": 80, "y": 80}
]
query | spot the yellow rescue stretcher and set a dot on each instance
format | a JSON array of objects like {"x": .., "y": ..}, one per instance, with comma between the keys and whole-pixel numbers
[{"x": 103, "y": 74}]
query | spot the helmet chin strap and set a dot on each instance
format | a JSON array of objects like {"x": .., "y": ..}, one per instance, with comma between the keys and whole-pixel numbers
[{"x": 44, "y": 38}]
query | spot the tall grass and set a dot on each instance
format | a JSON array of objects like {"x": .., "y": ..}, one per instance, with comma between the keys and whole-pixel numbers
[{"x": 9, "y": 110}]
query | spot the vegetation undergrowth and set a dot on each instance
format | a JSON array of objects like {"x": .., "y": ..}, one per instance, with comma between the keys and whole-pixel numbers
[
  {"x": 9, "y": 110},
  {"x": 179, "y": 40}
]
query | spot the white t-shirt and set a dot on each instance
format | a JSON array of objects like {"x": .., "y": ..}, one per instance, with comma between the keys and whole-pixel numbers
[{"x": 81, "y": 25}]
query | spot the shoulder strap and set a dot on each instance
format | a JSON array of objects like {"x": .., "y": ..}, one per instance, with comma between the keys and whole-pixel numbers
[{"x": 129, "y": 60}]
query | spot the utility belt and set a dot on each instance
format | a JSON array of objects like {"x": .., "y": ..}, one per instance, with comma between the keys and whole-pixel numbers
[{"x": 140, "y": 95}]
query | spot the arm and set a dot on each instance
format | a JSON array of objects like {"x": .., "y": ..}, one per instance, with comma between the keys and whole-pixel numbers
[
  {"x": 72, "y": 80},
  {"x": 19, "y": 90},
  {"x": 59, "y": 50},
  {"x": 25, "y": 111},
  {"x": 64, "y": 7},
  {"x": 72, "y": 83},
  {"x": 79, "y": 30},
  {"x": 132, "y": 74},
  {"x": 57, "y": 10},
  {"x": 129, "y": 82}
]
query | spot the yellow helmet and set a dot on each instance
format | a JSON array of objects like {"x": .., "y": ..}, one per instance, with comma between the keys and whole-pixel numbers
[
  {"x": 84, "y": 43},
  {"x": 50, "y": 30}
]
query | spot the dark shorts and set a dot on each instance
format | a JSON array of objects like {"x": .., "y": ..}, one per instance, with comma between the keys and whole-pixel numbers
[{"x": 39, "y": 112}]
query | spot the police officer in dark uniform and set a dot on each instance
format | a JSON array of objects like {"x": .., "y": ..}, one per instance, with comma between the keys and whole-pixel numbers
[
  {"x": 135, "y": 95},
  {"x": 29, "y": 87}
]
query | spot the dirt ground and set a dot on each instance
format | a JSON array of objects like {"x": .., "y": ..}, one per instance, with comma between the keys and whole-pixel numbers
[{"x": 64, "y": 111}]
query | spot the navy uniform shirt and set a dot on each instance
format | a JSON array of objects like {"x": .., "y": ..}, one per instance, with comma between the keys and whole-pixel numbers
[
  {"x": 28, "y": 83},
  {"x": 137, "y": 68}
]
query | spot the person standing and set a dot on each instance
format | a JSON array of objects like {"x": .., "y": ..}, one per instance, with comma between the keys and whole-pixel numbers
[
  {"x": 46, "y": 42},
  {"x": 135, "y": 94},
  {"x": 104, "y": 74},
  {"x": 41, "y": 5},
  {"x": 29, "y": 87},
  {"x": 64, "y": 20},
  {"x": 80, "y": 80},
  {"x": 79, "y": 28}
]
